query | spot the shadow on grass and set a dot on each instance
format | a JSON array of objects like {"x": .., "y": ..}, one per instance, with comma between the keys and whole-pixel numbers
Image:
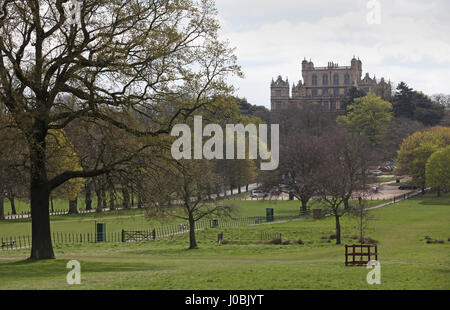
[{"x": 51, "y": 268}]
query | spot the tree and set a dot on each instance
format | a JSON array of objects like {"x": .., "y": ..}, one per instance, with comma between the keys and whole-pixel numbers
[
  {"x": 370, "y": 116},
  {"x": 416, "y": 149},
  {"x": 345, "y": 161},
  {"x": 416, "y": 105},
  {"x": 160, "y": 59},
  {"x": 300, "y": 161},
  {"x": 398, "y": 130},
  {"x": 353, "y": 93},
  {"x": 438, "y": 170},
  {"x": 361, "y": 214},
  {"x": 189, "y": 183},
  {"x": 61, "y": 156}
]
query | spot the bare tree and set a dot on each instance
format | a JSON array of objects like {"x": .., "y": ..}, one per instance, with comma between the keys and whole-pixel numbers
[
  {"x": 188, "y": 185},
  {"x": 343, "y": 172},
  {"x": 301, "y": 159}
]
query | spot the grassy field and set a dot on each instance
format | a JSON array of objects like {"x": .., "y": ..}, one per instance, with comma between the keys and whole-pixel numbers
[{"x": 407, "y": 261}]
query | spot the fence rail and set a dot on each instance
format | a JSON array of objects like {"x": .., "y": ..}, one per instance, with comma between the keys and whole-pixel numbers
[{"x": 361, "y": 257}]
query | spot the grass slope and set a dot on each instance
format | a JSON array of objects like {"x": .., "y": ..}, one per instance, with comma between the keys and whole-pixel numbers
[{"x": 407, "y": 261}]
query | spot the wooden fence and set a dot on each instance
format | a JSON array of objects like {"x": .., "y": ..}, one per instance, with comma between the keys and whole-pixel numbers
[
  {"x": 353, "y": 257},
  {"x": 137, "y": 235}
]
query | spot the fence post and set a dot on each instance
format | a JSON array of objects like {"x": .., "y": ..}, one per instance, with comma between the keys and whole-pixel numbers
[
  {"x": 154, "y": 234},
  {"x": 123, "y": 235}
]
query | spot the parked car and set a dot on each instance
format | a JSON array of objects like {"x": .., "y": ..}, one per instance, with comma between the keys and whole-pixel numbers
[
  {"x": 256, "y": 193},
  {"x": 377, "y": 172},
  {"x": 407, "y": 186},
  {"x": 385, "y": 168}
]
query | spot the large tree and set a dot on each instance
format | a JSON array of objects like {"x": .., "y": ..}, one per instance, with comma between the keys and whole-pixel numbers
[
  {"x": 370, "y": 116},
  {"x": 416, "y": 149},
  {"x": 160, "y": 59},
  {"x": 417, "y": 106},
  {"x": 438, "y": 170}
]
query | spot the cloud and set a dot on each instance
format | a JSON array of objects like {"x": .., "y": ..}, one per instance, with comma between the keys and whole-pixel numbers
[{"x": 411, "y": 44}]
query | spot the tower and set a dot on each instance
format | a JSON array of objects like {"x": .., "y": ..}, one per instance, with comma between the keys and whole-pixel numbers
[{"x": 279, "y": 93}]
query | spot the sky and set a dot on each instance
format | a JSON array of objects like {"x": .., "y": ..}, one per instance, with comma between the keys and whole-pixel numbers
[{"x": 400, "y": 40}]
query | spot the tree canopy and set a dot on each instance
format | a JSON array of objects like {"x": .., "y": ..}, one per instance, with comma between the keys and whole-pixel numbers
[{"x": 370, "y": 116}]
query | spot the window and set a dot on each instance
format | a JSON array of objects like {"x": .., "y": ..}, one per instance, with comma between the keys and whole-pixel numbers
[
  {"x": 278, "y": 93},
  {"x": 325, "y": 79},
  {"x": 325, "y": 92},
  {"x": 326, "y": 106},
  {"x": 314, "y": 92},
  {"x": 347, "y": 79},
  {"x": 336, "y": 79},
  {"x": 336, "y": 92},
  {"x": 314, "y": 80}
]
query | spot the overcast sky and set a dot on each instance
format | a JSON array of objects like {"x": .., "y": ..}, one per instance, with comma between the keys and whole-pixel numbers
[{"x": 411, "y": 43}]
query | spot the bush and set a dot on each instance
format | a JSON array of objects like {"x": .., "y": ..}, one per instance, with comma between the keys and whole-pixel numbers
[{"x": 275, "y": 241}]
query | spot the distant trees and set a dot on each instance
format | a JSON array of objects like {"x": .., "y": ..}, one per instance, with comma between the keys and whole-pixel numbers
[
  {"x": 416, "y": 105},
  {"x": 370, "y": 116},
  {"x": 438, "y": 170},
  {"x": 416, "y": 149}
]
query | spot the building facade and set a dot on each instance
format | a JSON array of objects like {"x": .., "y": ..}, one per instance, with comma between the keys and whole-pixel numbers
[{"x": 328, "y": 86}]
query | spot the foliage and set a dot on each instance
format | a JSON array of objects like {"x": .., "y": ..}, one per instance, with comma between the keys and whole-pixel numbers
[
  {"x": 416, "y": 149},
  {"x": 370, "y": 116},
  {"x": 416, "y": 105},
  {"x": 61, "y": 157},
  {"x": 438, "y": 169}
]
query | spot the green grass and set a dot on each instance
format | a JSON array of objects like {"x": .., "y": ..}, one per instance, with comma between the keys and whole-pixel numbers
[
  {"x": 386, "y": 179},
  {"x": 407, "y": 262}
]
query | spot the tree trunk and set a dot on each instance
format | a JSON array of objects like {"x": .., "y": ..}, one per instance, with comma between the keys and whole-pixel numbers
[
  {"x": 346, "y": 204},
  {"x": 231, "y": 189},
  {"x": 88, "y": 199},
  {"x": 13, "y": 203},
  {"x": 98, "y": 192},
  {"x": 2, "y": 207},
  {"x": 51, "y": 204},
  {"x": 73, "y": 206},
  {"x": 126, "y": 198},
  {"x": 192, "y": 241},
  {"x": 304, "y": 206},
  {"x": 246, "y": 188},
  {"x": 239, "y": 188},
  {"x": 140, "y": 203},
  {"x": 104, "y": 202},
  {"x": 338, "y": 230},
  {"x": 111, "y": 201},
  {"x": 439, "y": 192},
  {"x": 41, "y": 247}
]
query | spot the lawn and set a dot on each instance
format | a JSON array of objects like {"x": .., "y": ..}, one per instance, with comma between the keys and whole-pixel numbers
[{"x": 407, "y": 261}]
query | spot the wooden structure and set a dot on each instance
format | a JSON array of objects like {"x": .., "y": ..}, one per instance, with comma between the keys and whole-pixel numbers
[{"x": 360, "y": 254}]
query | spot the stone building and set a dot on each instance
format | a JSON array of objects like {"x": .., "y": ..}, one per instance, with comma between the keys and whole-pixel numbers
[{"x": 328, "y": 86}]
